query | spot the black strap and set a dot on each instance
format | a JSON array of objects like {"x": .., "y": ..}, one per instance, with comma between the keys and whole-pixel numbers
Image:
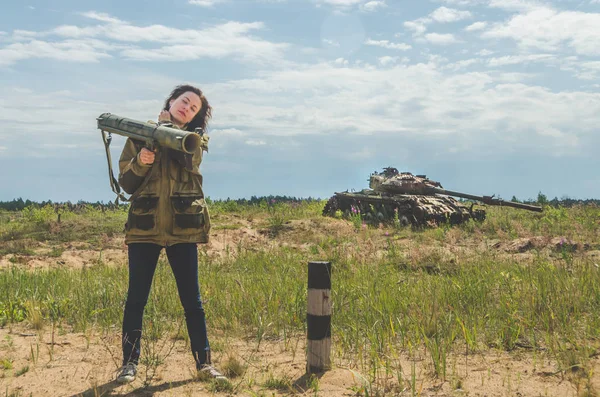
[{"x": 114, "y": 183}]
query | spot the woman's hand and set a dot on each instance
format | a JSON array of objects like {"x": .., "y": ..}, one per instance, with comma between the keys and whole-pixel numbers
[
  {"x": 146, "y": 156},
  {"x": 164, "y": 116}
]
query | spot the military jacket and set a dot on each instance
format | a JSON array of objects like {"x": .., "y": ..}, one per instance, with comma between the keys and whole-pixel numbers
[{"x": 170, "y": 208}]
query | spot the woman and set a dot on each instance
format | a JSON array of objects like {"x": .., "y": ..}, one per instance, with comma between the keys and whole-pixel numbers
[{"x": 168, "y": 210}]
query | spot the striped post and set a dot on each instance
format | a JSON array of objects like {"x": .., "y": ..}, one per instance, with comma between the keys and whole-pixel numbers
[{"x": 318, "y": 317}]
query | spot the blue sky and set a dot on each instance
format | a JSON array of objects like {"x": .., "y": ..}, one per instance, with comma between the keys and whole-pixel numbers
[{"x": 309, "y": 96}]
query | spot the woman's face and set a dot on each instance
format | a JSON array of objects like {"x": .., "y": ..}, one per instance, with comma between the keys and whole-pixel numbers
[{"x": 184, "y": 108}]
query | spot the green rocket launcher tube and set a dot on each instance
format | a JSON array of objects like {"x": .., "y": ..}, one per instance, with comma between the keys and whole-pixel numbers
[{"x": 152, "y": 134}]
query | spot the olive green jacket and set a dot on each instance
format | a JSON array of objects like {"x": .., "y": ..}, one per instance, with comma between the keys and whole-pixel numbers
[{"x": 170, "y": 208}]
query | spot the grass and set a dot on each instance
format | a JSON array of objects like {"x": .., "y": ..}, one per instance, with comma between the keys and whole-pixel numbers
[
  {"x": 395, "y": 289},
  {"x": 22, "y": 371},
  {"x": 281, "y": 383},
  {"x": 6, "y": 364},
  {"x": 233, "y": 368},
  {"x": 41, "y": 224}
]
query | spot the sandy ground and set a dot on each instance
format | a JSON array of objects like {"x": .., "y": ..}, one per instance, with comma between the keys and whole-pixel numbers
[{"x": 85, "y": 365}]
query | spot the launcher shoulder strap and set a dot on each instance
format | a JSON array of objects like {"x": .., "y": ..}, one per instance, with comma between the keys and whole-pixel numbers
[{"x": 114, "y": 183}]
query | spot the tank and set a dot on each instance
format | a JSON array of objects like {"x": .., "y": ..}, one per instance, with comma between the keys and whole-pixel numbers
[{"x": 412, "y": 200}]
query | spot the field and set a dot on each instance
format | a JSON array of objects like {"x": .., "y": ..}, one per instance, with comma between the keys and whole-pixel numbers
[{"x": 505, "y": 307}]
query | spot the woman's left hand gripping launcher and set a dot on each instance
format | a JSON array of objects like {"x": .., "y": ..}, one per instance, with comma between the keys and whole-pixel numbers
[{"x": 165, "y": 135}]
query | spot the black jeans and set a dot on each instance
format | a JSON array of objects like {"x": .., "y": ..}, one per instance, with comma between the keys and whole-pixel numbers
[{"x": 183, "y": 259}]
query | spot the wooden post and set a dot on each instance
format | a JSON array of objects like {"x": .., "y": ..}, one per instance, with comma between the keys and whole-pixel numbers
[{"x": 318, "y": 317}]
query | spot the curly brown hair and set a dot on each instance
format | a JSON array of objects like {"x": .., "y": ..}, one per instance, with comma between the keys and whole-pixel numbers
[{"x": 205, "y": 113}]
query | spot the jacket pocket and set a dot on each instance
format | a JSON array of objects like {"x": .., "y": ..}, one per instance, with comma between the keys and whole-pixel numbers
[
  {"x": 142, "y": 216},
  {"x": 188, "y": 214},
  {"x": 185, "y": 182}
]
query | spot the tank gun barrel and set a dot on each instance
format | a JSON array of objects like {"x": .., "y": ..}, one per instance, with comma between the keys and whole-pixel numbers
[{"x": 487, "y": 199}]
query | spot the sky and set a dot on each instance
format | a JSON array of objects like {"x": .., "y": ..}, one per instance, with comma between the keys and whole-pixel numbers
[{"x": 309, "y": 96}]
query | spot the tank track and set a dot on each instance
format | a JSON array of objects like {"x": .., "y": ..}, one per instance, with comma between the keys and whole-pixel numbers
[{"x": 416, "y": 210}]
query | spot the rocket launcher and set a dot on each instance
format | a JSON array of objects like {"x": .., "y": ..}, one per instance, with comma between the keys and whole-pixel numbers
[{"x": 152, "y": 134}]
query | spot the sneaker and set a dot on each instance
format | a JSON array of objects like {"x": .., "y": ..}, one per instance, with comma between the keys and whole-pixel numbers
[
  {"x": 127, "y": 374},
  {"x": 207, "y": 371}
]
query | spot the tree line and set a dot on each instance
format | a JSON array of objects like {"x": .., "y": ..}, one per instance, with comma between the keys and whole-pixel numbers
[{"x": 19, "y": 204}]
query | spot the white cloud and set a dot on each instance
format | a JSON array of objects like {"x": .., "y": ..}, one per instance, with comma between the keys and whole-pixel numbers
[
  {"x": 23, "y": 35},
  {"x": 476, "y": 26},
  {"x": 387, "y": 60},
  {"x": 435, "y": 59},
  {"x": 348, "y": 5},
  {"x": 90, "y": 43},
  {"x": 550, "y": 30},
  {"x": 519, "y": 59},
  {"x": 388, "y": 45},
  {"x": 59, "y": 110},
  {"x": 485, "y": 52},
  {"x": 228, "y": 132},
  {"x": 444, "y": 14},
  {"x": 493, "y": 111},
  {"x": 101, "y": 16},
  {"x": 331, "y": 43},
  {"x": 490, "y": 112},
  {"x": 74, "y": 31},
  {"x": 204, "y": 3},
  {"x": 595, "y": 65},
  {"x": 515, "y": 5},
  {"x": 255, "y": 142},
  {"x": 418, "y": 26},
  {"x": 508, "y": 5},
  {"x": 373, "y": 5},
  {"x": 439, "y": 38},
  {"x": 340, "y": 3},
  {"x": 583, "y": 70},
  {"x": 436, "y": 98},
  {"x": 71, "y": 51},
  {"x": 463, "y": 64},
  {"x": 440, "y": 15},
  {"x": 463, "y": 3}
]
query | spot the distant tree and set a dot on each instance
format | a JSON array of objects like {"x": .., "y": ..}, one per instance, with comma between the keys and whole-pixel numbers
[{"x": 542, "y": 199}]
